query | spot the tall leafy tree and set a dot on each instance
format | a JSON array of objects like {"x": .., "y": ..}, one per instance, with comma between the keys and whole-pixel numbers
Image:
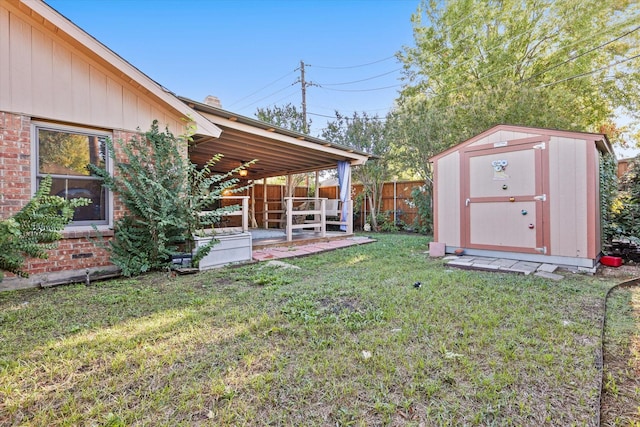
[
  {"x": 549, "y": 63},
  {"x": 365, "y": 133},
  {"x": 569, "y": 64},
  {"x": 286, "y": 117}
]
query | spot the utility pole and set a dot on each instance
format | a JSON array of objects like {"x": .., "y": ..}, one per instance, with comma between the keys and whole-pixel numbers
[{"x": 304, "y": 84}]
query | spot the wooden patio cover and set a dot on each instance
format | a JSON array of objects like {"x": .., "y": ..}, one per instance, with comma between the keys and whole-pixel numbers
[{"x": 278, "y": 151}]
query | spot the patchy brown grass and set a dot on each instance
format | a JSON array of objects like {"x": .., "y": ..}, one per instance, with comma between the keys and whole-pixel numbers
[
  {"x": 621, "y": 382},
  {"x": 345, "y": 340}
]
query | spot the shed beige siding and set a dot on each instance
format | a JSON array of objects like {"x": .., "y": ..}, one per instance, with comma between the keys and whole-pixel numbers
[
  {"x": 48, "y": 77},
  {"x": 500, "y": 136},
  {"x": 448, "y": 199},
  {"x": 524, "y": 193},
  {"x": 568, "y": 196}
]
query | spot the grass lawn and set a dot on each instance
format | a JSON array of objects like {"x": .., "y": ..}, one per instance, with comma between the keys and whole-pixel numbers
[{"x": 344, "y": 340}]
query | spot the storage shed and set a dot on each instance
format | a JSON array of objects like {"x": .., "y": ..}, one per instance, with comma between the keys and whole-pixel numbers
[{"x": 521, "y": 193}]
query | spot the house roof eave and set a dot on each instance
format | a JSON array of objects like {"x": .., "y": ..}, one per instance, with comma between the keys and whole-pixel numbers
[{"x": 65, "y": 25}]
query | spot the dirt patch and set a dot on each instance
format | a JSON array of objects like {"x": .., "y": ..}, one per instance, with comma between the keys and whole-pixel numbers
[{"x": 624, "y": 271}]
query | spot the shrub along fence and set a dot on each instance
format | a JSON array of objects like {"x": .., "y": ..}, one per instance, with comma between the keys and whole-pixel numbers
[{"x": 397, "y": 202}]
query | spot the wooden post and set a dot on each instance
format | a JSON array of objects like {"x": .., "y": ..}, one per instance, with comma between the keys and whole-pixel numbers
[
  {"x": 349, "y": 216},
  {"x": 245, "y": 214},
  {"x": 265, "y": 205},
  {"x": 289, "y": 216},
  {"x": 323, "y": 217}
]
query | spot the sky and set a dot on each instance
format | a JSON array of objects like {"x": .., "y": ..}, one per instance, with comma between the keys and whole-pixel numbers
[{"x": 248, "y": 52}]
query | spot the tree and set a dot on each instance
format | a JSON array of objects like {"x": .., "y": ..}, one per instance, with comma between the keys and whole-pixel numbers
[
  {"x": 365, "y": 133},
  {"x": 625, "y": 210},
  {"x": 286, "y": 117},
  {"x": 478, "y": 63},
  {"x": 532, "y": 62},
  {"x": 35, "y": 229},
  {"x": 167, "y": 199}
]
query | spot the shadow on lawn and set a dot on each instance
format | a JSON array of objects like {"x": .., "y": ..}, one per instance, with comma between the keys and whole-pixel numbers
[{"x": 36, "y": 318}]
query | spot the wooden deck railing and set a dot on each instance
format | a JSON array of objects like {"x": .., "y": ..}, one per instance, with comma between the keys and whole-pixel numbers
[
  {"x": 305, "y": 213},
  {"x": 243, "y": 211}
]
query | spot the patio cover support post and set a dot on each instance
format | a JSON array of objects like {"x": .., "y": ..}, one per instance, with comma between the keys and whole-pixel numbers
[
  {"x": 323, "y": 216},
  {"x": 254, "y": 223},
  {"x": 245, "y": 214},
  {"x": 350, "y": 217},
  {"x": 265, "y": 216},
  {"x": 344, "y": 180},
  {"x": 289, "y": 217},
  {"x": 316, "y": 195}
]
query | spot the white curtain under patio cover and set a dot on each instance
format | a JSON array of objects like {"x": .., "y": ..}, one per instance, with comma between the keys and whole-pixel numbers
[{"x": 344, "y": 181}]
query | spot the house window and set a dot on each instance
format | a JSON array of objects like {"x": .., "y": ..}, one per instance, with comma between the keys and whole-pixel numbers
[{"x": 64, "y": 153}]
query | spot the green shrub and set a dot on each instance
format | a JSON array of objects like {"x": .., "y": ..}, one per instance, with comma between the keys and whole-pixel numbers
[
  {"x": 421, "y": 199},
  {"x": 624, "y": 217},
  {"x": 35, "y": 229},
  {"x": 167, "y": 199}
]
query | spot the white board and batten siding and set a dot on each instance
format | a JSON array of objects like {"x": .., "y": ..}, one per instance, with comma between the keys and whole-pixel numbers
[{"x": 48, "y": 75}]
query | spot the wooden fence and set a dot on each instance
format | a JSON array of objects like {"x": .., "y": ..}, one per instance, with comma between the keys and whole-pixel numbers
[{"x": 396, "y": 201}]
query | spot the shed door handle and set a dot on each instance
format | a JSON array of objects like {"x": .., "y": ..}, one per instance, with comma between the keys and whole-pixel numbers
[{"x": 466, "y": 203}]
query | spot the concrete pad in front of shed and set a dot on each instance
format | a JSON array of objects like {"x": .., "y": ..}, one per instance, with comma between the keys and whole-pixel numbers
[
  {"x": 460, "y": 263},
  {"x": 504, "y": 263},
  {"x": 466, "y": 258},
  {"x": 483, "y": 265},
  {"x": 548, "y": 268},
  {"x": 524, "y": 267},
  {"x": 548, "y": 275}
]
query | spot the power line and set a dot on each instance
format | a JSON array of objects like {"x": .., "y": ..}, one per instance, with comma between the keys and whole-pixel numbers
[
  {"x": 583, "y": 53},
  {"x": 265, "y": 97},
  {"x": 348, "y": 118},
  {"x": 264, "y": 87},
  {"x": 499, "y": 71},
  {"x": 479, "y": 79},
  {"x": 590, "y": 72},
  {"x": 361, "y": 90},
  {"x": 289, "y": 95},
  {"x": 353, "y": 66},
  {"x": 361, "y": 80}
]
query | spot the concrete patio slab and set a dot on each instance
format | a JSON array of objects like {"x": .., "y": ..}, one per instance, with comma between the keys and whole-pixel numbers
[{"x": 292, "y": 251}]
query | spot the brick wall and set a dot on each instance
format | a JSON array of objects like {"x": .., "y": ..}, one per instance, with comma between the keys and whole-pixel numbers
[
  {"x": 15, "y": 163},
  {"x": 78, "y": 250}
]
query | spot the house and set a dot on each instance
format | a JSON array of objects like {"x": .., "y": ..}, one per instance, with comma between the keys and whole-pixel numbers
[
  {"x": 623, "y": 166},
  {"x": 62, "y": 93},
  {"x": 522, "y": 193}
]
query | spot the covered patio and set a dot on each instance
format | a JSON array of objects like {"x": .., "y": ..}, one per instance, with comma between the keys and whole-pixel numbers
[{"x": 291, "y": 218}]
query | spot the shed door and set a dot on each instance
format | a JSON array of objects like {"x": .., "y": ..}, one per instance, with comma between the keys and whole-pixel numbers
[{"x": 503, "y": 197}]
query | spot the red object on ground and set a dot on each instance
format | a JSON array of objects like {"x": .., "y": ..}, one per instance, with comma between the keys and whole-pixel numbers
[{"x": 611, "y": 261}]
